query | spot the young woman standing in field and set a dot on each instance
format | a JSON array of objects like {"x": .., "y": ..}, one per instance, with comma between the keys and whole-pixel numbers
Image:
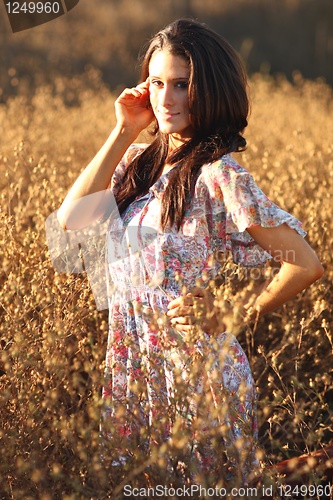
[{"x": 183, "y": 201}]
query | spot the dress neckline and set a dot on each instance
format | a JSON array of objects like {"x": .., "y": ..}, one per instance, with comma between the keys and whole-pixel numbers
[{"x": 169, "y": 170}]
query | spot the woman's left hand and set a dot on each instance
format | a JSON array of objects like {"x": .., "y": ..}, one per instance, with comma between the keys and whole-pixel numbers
[{"x": 194, "y": 308}]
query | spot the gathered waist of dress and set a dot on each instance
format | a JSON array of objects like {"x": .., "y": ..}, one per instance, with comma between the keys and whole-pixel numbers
[{"x": 128, "y": 291}]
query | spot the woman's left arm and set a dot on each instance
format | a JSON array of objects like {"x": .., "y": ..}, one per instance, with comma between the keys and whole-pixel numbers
[{"x": 300, "y": 266}]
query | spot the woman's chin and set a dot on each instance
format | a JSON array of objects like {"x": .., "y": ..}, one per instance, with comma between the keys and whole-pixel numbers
[{"x": 167, "y": 129}]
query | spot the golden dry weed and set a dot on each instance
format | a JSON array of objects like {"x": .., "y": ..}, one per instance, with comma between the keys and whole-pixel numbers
[{"x": 53, "y": 340}]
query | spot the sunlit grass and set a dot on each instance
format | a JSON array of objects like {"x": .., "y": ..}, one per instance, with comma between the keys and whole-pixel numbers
[{"x": 53, "y": 340}]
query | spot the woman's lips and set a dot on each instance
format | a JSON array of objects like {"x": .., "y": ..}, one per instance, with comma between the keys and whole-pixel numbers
[{"x": 167, "y": 115}]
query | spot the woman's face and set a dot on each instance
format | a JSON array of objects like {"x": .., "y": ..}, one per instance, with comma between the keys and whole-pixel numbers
[{"x": 168, "y": 87}]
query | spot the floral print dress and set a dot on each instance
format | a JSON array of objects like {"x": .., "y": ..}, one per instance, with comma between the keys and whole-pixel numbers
[{"x": 146, "y": 363}]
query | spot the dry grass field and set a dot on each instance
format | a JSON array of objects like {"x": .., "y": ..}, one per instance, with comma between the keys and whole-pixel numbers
[{"x": 53, "y": 340}]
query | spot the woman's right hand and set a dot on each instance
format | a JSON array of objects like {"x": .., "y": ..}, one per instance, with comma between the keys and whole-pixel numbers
[{"x": 132, "y": 108}]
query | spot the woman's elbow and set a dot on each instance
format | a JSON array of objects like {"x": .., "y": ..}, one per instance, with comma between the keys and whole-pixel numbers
[
  {"x": 62, "y": 219},
  {"x": 79, "y": 213},
  {"x": 72, "y": 221},
  {"x": 319, "y": 271},
  {"x": 315, "y": 270},
  {"x": 74, "y": 216}
]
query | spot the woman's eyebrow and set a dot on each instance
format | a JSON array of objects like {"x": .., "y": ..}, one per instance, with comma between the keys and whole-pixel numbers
[{"x": 172, "y": 79}]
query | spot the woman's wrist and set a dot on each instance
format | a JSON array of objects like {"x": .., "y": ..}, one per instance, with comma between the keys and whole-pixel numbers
[
  {"x": 239, "y": 317},
  {"x": 124, "y": 133},
  {"x": 212, "y": 325}
]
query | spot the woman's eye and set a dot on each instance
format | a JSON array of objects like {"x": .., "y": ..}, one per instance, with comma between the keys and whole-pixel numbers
[
  {"x": 179, "y": 85},
  {"x": 157, "y": 83},
  {"x": 182, "y": 85}
]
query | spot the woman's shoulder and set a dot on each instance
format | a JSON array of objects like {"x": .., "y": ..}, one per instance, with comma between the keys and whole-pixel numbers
[
  {"x": 223, "y": 171},
  {"x": 225, "y": 164},
  {"x": 135, "y": 149}
]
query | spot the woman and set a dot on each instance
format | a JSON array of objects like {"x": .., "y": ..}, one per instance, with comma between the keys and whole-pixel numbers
[{"x": 184, "y": 201}]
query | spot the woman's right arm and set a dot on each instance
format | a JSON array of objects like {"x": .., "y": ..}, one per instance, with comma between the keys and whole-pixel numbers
[{"x": 88, "y": 198}]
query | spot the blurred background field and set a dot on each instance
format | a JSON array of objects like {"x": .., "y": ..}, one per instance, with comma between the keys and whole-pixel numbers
[
  {"x": 271, "y": 35},
  {"x": 58, "y": 84}
]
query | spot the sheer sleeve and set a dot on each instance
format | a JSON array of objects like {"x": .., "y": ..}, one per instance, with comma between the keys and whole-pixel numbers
[{"x": 238, "y": 203}]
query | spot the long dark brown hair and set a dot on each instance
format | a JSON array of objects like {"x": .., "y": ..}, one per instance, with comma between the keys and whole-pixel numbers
[{"x": 218, "y": 107}]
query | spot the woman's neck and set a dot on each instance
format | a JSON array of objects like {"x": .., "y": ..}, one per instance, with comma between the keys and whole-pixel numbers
[{"x": 175, "y": 141}]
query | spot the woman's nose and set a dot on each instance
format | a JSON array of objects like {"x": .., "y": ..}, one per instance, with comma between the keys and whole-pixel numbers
[{"x": 167, "y": 96}]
